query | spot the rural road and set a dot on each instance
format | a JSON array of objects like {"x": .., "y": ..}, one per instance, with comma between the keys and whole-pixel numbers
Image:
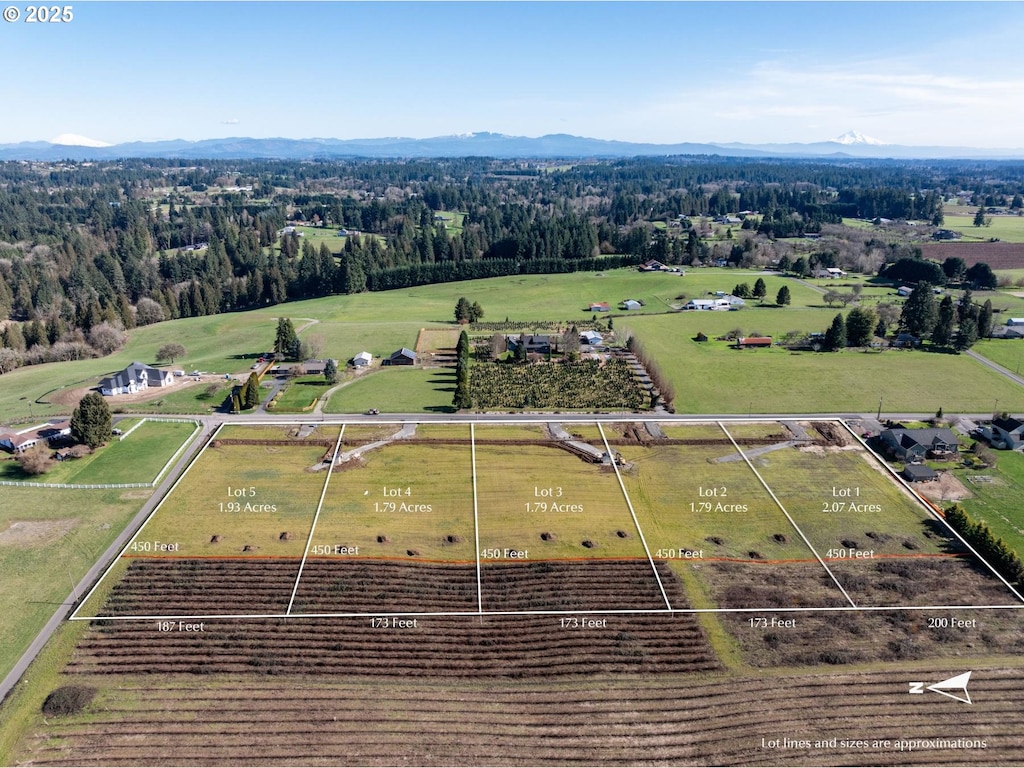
[
  {"x": 1015, "y": 378},
  {"x": 211, "y": 422}
]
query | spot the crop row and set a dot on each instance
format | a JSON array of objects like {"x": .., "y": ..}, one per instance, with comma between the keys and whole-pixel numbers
[{"x": 689, "y": 720}]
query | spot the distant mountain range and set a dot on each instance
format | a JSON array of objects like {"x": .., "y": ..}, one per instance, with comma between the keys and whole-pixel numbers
[{"x": 850, "y": 145}]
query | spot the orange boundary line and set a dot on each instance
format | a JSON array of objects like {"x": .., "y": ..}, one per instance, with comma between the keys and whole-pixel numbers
[{"x": 371, "y": 558}]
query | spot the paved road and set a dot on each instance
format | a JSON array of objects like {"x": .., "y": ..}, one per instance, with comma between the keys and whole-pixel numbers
[{"x": 1015, "y": 378}]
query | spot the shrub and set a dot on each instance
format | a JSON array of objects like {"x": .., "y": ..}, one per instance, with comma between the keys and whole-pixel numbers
[{"x": 68, "y": 700}]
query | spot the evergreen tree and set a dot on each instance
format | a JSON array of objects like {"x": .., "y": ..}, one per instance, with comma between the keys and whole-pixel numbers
[
  {"x": 462, "y": 310},
  {"x": 331, "y": 371},
  {"x": 979, "y": 217},
  {"x": 967, "y": 335},
  {"x": 782, "y": 298},
  {"x": 919, "y": 313},
  {"x": 760, "y": 289},
  {"x": 251, "y": 392},
  {"x": 860, "y": 326},
  {"x": 942, "y": 333},
  {"x": 835, "y": 336},
  {"x": 91, "y": 421},
  {"x": 285, "y": 338},
  {"x": 985, "y": 320}
]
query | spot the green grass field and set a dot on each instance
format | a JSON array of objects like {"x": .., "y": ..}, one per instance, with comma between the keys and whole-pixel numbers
[
  {"x": 136, "y": 459},
  {"x": 300, "y": 394},
  {"x": 400, "y": 499},
  {"x": 525, "y": 491},
  {"x": 198, "y": 397},
  {"x": 1009, "y": 229},
  {"x": 998, "y": 503},
  {"x": 49, "y": 538},
  {"x": 713, "y": 377},
  {"x": 1009, "y": 353},
  {"x": 383, "y": 322},
  {"x": 397, "y": 390},
  {"x": 840, "y": 495}
]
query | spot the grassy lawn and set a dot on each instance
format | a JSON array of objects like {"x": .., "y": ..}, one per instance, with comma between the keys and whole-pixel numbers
[
  {"x": 998, "y": 503},
  {"x": 713, "y": 377},
  {"x": 202, "y": 397},
  {"x": 397, "y": 390},
  {"x": 682, "y": 501},
  {"x": 49, "y": 538},
  {"x": 412, "y": 496},
  {"x": 804, "y": 481},
  {"x": 137, "y": 459},
  {"x": 300, "y": 394},
  {"x": 583, "y": 503}
]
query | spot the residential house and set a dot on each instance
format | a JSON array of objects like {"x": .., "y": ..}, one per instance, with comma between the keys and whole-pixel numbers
[
  {"x": 315, "y": 367},
  {"x": 1005, "y": 433},
  {"x": 135, "y": 378},
  {"x": 753, "y": 341},
  {"x": 402, "y": 356},
  {"x": 55, "y": 433},
  {"x": 1007, "y": 332},
  {"x": 916, "y": 445},
  {"x": 830, "y": 272},
  {"x": 720, "y": 305},
  {"x": 653, "y": 266},
  {"x": 539, "y": 344},
  {"x": 906, "y": 340},
  {"x": 362, "y": 360}
]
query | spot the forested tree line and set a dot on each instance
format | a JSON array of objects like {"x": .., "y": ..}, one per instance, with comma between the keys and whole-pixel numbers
[{"x": 88, "y": 250}]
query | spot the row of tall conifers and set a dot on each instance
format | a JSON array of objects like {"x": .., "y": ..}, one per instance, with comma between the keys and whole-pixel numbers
[{"x": 462, "y": 398}]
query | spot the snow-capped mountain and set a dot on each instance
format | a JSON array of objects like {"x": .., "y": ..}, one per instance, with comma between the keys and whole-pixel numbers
[
  {"x": 74, "y": 140},
  {"x": 856, "y": 137}
]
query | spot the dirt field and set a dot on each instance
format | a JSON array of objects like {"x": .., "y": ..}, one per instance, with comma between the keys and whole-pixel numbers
[
  {"x": 996, "y": 255},
  {"x": 32, "y": 533},
  {"x": 671, "y": 720}
]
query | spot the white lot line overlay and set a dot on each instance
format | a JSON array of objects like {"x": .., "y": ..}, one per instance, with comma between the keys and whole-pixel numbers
[
  {"x": 788, "y": 516},
  {"x": 852, "y": 608},
  {"x": 592, "y": 612},
  {"x": 872, "y": 456},
  {"x": 195, "y": 460},
  {"x": 476, "y": 520},
  {"x": 312, "y": 528},
  {"x": 654, "y": 569}
]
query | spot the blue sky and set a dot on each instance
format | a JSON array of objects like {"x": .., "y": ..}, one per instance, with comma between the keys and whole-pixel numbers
[{"x": 906, "y": 73}]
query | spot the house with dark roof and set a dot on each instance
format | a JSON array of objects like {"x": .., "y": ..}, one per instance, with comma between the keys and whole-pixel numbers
[
  {"x": 1005, "y": 433},
  {"x": 532, "y": 344},
  {"x": 55, "y": 433},
  {"x": 135, "y": 378},
  {"x": 916, "y": 445},
  {"x": 402, "y": 356}
]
